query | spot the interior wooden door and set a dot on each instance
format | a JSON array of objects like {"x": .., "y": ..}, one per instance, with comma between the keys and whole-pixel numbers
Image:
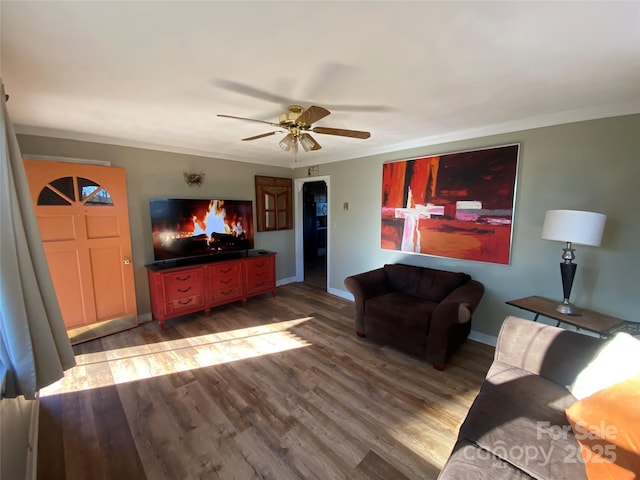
[{"x": 83, "y": 219}]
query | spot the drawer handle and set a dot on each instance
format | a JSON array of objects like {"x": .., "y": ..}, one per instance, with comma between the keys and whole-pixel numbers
[
  {"x": 259, "y": 274},
  {"x": 260, "y": 284},
  {"x": 185, "y": 302},
  {"x": 224, "y": 271},
  {"x": 227, "y": 292},
  {"x": 182, "y": 279},
  {"x": 226, "y": 281},
  {"x": 184, "y": 290},
  {"x": 260, "y": 265}
]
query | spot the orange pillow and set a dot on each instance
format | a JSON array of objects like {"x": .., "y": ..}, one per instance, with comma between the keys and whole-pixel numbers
[{"x": 607, "y": 427}]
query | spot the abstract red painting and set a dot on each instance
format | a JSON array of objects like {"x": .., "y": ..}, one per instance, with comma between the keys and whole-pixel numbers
[{"x": 457, "y": 205}]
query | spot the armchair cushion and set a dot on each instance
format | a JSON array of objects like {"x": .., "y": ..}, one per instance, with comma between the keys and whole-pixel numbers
[
  {"x": 427, "y": 283},
  {"x": 401, "y": 310}
]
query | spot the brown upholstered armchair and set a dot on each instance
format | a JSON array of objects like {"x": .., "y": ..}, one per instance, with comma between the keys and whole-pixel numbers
[{"x": 422, "y": 311}]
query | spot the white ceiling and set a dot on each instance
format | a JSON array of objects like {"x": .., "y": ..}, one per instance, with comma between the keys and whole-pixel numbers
[{"x": 155, "y": 74}]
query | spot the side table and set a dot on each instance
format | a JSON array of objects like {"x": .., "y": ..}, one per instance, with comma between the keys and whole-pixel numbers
[{"x": 603, "y": 325}]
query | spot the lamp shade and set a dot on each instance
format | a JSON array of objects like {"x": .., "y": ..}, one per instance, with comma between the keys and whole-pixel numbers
[
  {"x": 575, "y": 226},
  {"x": 308, "y": 143},
  {"x": 289, "y": 144}
]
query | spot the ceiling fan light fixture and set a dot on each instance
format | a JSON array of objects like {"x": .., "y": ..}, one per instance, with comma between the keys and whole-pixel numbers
[
  {"x": 289, "y": 144},
  {"x": 308, "y": 143},
  {"x": 297, "y": 121}
]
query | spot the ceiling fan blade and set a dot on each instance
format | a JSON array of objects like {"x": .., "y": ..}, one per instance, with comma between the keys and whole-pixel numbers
[
  {"x": 249, "y": 119},
  {"x": 312, "y": 115},
  {"x": 362, "y": 108},
  {"x": 248, "y": 90},
  {"x": 259, "y": 136},
  {"x": 341, "y": 132},
  {"x": 333, "y": 72}
]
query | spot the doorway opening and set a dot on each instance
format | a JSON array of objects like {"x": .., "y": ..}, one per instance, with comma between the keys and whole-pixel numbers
[
  {"x": 312, "y": 212},
  {"x": 314, "y": 220}
]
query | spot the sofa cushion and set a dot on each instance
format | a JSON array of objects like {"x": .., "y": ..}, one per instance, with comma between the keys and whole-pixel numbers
[
  {"x": 520, "y": 418},
  {"x": 607, "y": 426},
  {"x": 428, "y": 283},
  {"x": 397, "y": 309},
  {"x": 616, "y": 361},
  {"x": 470, "y": 462}
]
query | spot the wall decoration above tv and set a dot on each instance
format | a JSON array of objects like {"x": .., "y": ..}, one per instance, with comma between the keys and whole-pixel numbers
[
  {"x": 187, "y": 228},
  {"x": 456, "y": 205},
  {"x": 274, "y": 201}
]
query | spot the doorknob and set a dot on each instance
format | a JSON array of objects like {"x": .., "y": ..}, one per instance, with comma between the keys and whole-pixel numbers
[{"x": 127, "y": 261}]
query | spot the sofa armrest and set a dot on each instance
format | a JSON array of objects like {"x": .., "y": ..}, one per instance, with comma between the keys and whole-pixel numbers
[
  {"x": 450, "y": 320},
  {"x": 364, "y": 286},
  {"x": 468, "y": 295},
  {"x": 554, "y": 353}
]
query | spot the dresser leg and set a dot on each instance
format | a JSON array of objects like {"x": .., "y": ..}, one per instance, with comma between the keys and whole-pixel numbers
[{"x": 207, "y": 312}]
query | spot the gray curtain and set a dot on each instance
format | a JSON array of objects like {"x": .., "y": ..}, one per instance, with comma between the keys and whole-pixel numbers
[{"x": 34, "y": 347}]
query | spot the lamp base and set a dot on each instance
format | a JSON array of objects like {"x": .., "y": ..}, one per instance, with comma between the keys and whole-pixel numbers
[{"x": 568, "y": 309}]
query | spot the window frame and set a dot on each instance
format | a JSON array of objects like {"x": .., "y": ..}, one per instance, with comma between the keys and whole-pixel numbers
[{"x": 276, "y": 214}]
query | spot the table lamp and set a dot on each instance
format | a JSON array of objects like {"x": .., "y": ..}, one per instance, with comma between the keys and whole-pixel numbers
[{"x": 572, "y": 226}]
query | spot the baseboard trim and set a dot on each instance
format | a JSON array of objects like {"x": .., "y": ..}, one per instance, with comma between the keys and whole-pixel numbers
[
  {"x": 483, "y": 338},
  {"x": 285, "y": 281},
  {"x": 340, "y": 293}
]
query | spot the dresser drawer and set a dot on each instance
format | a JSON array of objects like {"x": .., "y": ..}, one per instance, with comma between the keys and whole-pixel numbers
[
  {"x": 225, "y": 269},
  {"x": 185, "y": 304},
  {"x": 186, "y": 283},
  {"x": 217, "y": 283},
  {"x": 260, "y": 269},
  {"x": 228, "y": 294},
  {"x": 258, "y": 285},
  {"x": 224, "y": 282},
  {"x": 260, "y": 275}
]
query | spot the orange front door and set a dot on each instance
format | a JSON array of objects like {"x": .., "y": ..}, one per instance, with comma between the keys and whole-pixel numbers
[{"x": 83, "y": 219}]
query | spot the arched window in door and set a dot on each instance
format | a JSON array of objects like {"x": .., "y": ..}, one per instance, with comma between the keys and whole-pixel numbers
[{"x": 67, "y": 190}]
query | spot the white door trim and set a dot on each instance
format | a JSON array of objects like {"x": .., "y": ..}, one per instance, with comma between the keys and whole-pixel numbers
[{"x": 299, "y": 210}]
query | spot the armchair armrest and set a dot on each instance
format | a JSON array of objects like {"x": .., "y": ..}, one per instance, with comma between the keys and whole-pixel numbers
[
  {"x": 363, "y": 286},
  {"x": 554, "y": 353},
  {"x": 451, "y": 321}
]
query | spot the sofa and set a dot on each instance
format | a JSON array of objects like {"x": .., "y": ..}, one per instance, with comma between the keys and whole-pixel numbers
[
  {"x": 551, "y": 407},
  {"x": 421, "y": 311}
]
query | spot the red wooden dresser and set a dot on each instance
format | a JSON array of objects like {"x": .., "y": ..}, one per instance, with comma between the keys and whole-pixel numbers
[{"x": 179, "y": 290}]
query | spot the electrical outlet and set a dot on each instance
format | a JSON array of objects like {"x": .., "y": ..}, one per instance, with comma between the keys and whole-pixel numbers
[{"x": 345, "y": 206}]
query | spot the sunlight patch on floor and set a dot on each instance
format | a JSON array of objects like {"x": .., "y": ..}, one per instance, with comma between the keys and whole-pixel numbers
[{"x": 130, "y": 364}]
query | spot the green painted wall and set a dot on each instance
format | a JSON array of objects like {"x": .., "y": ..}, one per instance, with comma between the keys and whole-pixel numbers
[
  {"x": 153, "y": 173},
  {"x": 592, "y": 165}
]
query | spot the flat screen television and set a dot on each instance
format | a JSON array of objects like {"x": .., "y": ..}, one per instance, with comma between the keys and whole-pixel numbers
[{"x": 190, "y": 228}]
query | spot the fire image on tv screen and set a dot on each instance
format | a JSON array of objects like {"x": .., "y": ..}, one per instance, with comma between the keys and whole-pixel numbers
[{"x": 194, "y": 227}]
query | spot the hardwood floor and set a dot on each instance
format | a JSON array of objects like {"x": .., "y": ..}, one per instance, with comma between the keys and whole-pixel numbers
[{"x": 279, "y": 389}]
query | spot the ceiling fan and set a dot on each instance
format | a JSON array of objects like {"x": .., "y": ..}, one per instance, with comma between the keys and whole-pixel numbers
[{"x": 298, "y": 122}]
